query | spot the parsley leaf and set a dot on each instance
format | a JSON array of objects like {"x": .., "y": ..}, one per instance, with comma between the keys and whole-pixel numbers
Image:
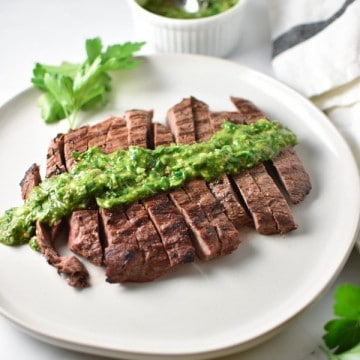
[
  {"x": 69, "y": 88},
  {"x": 342, "y": 335}
]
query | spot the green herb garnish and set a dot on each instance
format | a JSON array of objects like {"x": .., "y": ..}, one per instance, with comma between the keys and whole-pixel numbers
[
  {"x": 342, "y": 336},
  {"x": 126, "y": 176},
  {"x": 70, "y": 87}
]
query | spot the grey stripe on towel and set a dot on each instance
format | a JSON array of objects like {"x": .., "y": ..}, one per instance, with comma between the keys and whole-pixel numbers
[{"x": 300, "y": 33}]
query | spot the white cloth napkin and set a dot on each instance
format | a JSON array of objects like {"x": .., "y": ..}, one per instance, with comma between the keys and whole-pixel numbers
[{"x": 316, "y": 48}]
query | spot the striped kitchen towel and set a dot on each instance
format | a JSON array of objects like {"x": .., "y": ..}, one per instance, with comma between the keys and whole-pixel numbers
[{"x": 316, "y": 48}]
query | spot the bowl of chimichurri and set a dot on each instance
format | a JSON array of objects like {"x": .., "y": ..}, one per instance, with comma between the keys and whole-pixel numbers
[{"x": 215, "y": 30}]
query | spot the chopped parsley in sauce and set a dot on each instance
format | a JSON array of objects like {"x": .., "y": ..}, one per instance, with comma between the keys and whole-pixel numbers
[
  {"x": 126, "y": 176},
  {"x": 166, "y": 8}
]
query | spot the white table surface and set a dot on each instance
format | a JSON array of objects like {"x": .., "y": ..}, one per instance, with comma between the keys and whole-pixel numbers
[{"x": 52, "y": 31}]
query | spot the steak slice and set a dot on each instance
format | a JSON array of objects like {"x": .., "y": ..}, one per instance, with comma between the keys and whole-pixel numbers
[
  {"x": 197, "y": 190},
  {"x": 165, "y": 215},
  {"x": 75, "y": 140},
  {"x": 156, "y": 261},
  {"x": 55, "y": 163},
  {"x": 178, "y": 120},
  {"x": 161, "y": 135},
  {"x": 117, "y": 136},
  {"x": 270, "y": 211},
  {"x": 151, "y": 239},
  {"x": 288, "y": 166},
  {"x": 68, "y": 266},
  {"x": 138, "y": 123},
  {"x": 204, "y": 235},
  {"x": 84, "y": 237},
  {"x": 123, "y": 259},
  {"x": 136, "y": 254},
  {"x": 98, "y": 133},
  {"x": 31, "y": 179},
  {"x": 221, "y": 188}
]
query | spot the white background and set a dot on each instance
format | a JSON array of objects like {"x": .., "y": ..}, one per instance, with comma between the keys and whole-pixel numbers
[{"x": 52, "y": 31}]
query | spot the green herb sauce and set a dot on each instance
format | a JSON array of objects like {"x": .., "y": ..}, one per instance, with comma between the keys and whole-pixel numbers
[
  {"x": 166, "y": 8},
  {"x": 125, "y": 176}
]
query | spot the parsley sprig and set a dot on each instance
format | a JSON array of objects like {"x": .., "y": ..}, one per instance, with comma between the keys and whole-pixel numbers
[
  {"x": 69, "y": 88},
  {"x": 342, "y": 336}
]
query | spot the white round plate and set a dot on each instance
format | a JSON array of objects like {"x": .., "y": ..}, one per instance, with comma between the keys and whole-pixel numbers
[{"x": 199, "y": 310}]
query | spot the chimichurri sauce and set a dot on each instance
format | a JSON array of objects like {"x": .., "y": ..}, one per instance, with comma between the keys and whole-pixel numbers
[
  {"x": 166, "y": 8},
  {"x": 126, "y": 176}
]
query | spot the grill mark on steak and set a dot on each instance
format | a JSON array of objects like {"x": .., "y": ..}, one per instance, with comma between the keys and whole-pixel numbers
[
  {"x": 197, "y": 190},
  {"x": 221, "y": 188},
  {"x": 288, "y": 166},
  {"x": 268, "y": 207},
  {"x": 55, "y": 161}
]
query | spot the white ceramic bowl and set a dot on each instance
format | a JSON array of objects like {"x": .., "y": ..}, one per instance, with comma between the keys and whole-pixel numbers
[{"x": 215, "y": 35}]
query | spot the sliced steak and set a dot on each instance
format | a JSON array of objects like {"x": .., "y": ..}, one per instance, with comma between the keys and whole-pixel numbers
[
  {"x": 149, "y": 237},
  {"x": 161, "y": 135},
  {"x": 75, "y": 140},
  {"x": 144, "y": 257},
  {"x": 197, "y": 190},
  {"x": 84, "y": 237},
  {"x": 204, "y": 235},
  {"x": 172, "y": 228},
  {"x": 55, "y": 163},
  {"x": 117, "y": 136},
  {"x": 138, "y": 123},
  {"x": 221, "y": 188},
  {"x": 68, "y": 266},
  {"x": 156, "y": 261},
  {"x": 178, "y": 120},
  {"x": 269, "y": 209},
  {"x": 124, "y": 261},
  {"x": 288, "y": 166},
  {"x": 206, "y": 240},
  {"x": 31, "y": 179},
  {"x": 165, "y": 215},
  {"x": 98, "y": 133}
]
